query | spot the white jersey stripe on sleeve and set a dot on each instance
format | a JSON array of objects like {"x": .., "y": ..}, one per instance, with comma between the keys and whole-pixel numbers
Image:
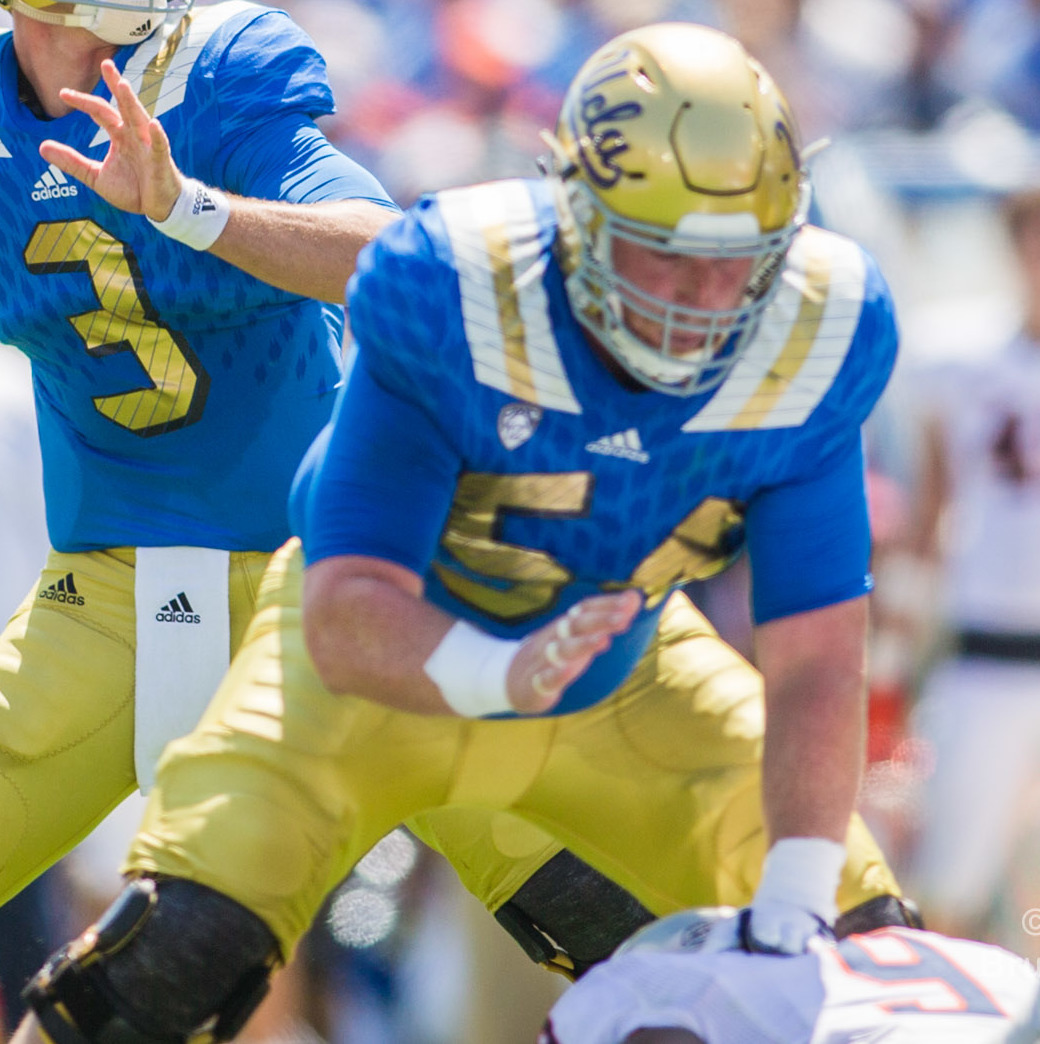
[
  {"x": 493, "y": 231},
  {"x": 800, "y": 346},
  {"x": 159, "y": 68}
]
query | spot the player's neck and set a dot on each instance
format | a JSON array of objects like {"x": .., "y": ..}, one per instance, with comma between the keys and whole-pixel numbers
[{"x": 53, "y": 57}]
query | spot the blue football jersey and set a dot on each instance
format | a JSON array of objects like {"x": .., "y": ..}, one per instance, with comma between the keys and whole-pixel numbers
[
  {"x": 175, "y": 393},
  {"x": 483, "y": 444}
]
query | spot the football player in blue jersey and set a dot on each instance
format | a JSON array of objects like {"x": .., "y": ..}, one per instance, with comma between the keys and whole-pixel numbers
[
  {"x": 573, "y": 395},
  {"x": 176, "y": 388}
]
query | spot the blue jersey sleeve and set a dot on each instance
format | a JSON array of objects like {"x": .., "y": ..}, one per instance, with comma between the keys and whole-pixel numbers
[
  {"x": 809, "y": 537},
  {"x": 270, "y": 64},
  {"x": 385, "y": 494},
  {"x": 289, "y": 158},
  {"x": 809, "y": 541},
  {"x": 265, "y": 83}
]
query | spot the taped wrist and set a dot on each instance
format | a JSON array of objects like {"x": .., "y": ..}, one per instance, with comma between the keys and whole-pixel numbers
[
  {"x": 804, "y": 872},
  {"x": 469, "y": 668},
  {"x": 198, "y": 215}
]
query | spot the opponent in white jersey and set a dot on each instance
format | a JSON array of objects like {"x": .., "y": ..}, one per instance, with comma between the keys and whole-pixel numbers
[
  {"x": 893, "y": 985},
  {"x": 979, "y": 710}
]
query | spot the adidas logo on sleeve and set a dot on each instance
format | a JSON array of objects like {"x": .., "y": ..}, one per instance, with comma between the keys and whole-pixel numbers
[
  {"x": 62, "y": 591},
  {"x": 178, "y": 610}
]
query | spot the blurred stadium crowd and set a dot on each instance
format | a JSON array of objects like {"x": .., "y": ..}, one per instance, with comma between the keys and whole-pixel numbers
[{"x": 932, "y": 112}]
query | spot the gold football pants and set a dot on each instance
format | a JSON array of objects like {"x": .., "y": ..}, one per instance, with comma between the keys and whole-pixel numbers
[
  {"x": 283, "y": 787},
  {"x": 67, "y": 665}
]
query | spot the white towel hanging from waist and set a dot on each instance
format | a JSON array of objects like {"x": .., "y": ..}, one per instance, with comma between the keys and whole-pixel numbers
[{"x": 183, "y": 645}]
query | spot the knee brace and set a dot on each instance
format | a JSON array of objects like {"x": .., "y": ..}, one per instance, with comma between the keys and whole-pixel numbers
[
  {"x": 169, "y": 962},
  {"x": 567, "y": 916}
]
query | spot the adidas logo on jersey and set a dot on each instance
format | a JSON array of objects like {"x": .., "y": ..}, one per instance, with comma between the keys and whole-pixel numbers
[
  {"x": 624, "y": 444},
  {"x": 52, "y": 184},
  {"x": 178, "y": 610},
  {"x": 63, "y": 591}
]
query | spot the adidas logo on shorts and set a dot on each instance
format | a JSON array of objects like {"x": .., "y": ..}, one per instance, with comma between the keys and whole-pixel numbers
[
  {"x": 63, "y": 591},
  {"x": 178, "y": 610}
]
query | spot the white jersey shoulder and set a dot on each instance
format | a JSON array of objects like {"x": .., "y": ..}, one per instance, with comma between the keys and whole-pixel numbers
[
  {"x": 802, "y": 341},
  {"x": 494, "y": 234},
  {"x": 159, "y": 68},
  {"x": 912, "y": 987}
]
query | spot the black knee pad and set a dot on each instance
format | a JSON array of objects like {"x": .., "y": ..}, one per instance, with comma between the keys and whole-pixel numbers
[
  {"x": 169, "y": 962},
  {"x": 569, "y": 917},
  {"x": 883, "y": 911}
]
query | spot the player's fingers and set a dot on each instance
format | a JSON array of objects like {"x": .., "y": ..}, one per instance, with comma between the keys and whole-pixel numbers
[
  {"x": 69, "y": 161},
  {"x": 99, "y": 110},
  {"x": 599, "y": 614},
  {"x": 161, "y": 155},
  {"x": 132, "y": 111},
  {"x": 562, "y": 650}
]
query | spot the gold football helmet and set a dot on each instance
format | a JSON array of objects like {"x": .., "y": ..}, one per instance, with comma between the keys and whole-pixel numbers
[
  {"x": 671, "y": 136},
  {"x": 114, "y": 21}
]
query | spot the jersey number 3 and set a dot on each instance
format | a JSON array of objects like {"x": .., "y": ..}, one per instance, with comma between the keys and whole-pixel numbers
[{"x": 126, "y": 322}]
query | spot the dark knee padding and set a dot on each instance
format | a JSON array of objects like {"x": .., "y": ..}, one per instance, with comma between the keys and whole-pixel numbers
[
  {"x": 584, "y": 913},
  {"x": 194, "y": 954}
]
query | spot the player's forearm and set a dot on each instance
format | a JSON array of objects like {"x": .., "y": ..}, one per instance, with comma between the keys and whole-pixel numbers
[
  {"x": 307, "y": 249},
  {"x": 815, "y": 669},
  {"x": 812, "y": 765},
  {"x": 369, "y": 634}
]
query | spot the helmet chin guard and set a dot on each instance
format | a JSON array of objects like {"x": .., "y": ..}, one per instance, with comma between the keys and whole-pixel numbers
[
  {"x": 671, "y": 137},
  {"x": 117, "y": 22}
]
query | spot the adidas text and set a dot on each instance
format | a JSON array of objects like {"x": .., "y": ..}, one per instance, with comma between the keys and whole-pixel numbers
[
  {"x": 625, "y": 444},
  {"x": 178, "y": 610},
  {"x": 168, "y": 617},
  {"x": 52, "y": 184},
  {"x": 63, "y": 591},
  {"x": 54, "y": 192},
  {"x": 61, "y": 596}
]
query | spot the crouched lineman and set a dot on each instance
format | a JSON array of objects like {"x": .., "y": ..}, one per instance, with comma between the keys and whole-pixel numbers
[{"x": 573, "y": 395}]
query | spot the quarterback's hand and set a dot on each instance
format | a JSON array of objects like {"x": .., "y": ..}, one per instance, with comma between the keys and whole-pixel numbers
[
  {"x": 137, "y": 173},
  {"x": 558, "y": 653},
  {"x": 794, "y": 903}
]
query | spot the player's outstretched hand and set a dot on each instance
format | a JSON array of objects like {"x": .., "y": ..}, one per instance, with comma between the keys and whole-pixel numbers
[
  {"x": 556, "y": 654},
  {"x": 137, "y": 173}
]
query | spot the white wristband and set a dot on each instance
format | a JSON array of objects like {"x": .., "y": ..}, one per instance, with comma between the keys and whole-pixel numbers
[
  {"x": 198, "y": 216},
  {"x": 803, "y": 871},
  {"x": 469, "y": 667}
]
